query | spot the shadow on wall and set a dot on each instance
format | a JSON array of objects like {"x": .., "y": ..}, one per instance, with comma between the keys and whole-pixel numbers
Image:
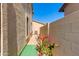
[{"x": 12, "y": 35}]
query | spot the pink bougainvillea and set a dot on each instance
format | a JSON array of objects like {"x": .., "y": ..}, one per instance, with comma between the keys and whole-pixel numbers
[{"x": 44, "y": 48}]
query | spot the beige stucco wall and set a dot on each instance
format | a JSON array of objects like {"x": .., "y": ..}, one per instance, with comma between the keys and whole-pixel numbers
[
  {"x": 71, "y": 7},
  {"x": 15, "y": 26},
  {"x": 36, "y": 26}
]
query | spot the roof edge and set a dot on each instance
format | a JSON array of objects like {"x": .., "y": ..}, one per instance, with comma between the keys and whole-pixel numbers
[
  {"x": 38, "y": 22},
  {"x": 63, "y": 7}
]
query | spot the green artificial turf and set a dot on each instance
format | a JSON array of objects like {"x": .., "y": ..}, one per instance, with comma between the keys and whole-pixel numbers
[{"x": 29, "y": 50}]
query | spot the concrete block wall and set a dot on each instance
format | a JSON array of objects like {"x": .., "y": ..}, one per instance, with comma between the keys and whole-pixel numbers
[
  {"x": 5, "y": 30},
  {"x": 22, "y": 12},
  {"x": 57, "y": 32},
  {"x": 65, "y": 32},
  {"x": 73, "y": 35},
  {"x": 71, "y": 7},
  {"x": 44, "y": 30},
  {"x": 20, "y": 25},
  {"x": 15, "y": 27}
]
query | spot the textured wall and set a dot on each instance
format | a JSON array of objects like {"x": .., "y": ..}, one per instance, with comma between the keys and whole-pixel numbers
[
  {"x": 44, "y": 30},
  {"x": 5, "y": 30},
  {"x": 20, "y": 25},
  {"x": 15, "y": 26},
  {"x": 71, "y": 7},
  {"x": 57, "y": 32},
  {"x": 36, "y": 26},
  {"x": 72, "y": 34},
  {"x": 65, "y": 32}
]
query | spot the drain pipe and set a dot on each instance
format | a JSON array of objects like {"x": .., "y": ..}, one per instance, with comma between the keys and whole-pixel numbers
[
  {"x": 48, "y": 29},
  {"x": 48, "y": 32},
  {"x": 1, "y": 32}
]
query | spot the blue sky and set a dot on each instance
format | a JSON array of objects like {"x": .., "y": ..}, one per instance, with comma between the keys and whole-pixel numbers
[{"x": 47, "y": 12}]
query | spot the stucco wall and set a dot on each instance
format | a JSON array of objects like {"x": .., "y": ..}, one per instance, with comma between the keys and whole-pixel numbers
[
  {"x": 15, "y": 27},
  {"x": 36, "y": 26},
  {"x": 71, "y": 7}
]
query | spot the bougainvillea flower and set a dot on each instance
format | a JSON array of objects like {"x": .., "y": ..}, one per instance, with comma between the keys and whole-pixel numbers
[
  {"x": 44, "y": 47},
  {"x": 43, "y": 37}
]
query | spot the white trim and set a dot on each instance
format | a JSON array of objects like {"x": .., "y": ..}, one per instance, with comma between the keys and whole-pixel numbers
[
  {"x": 1, "y": 31},
  {"x": 48, "y": 28}
]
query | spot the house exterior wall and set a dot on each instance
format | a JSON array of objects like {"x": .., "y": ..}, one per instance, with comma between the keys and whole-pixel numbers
[
  {"x": 72, "y": 36},
  {"x": 65, "y": 32},
  {"x": 36, "y": 26},
  {"x": 15, "y": 26},
  {"x": 44, "y": 30},
  {"x": 71, "y": 7},
  {"x": 5, "y": 30},
  {"x": 57, "y": 32}
]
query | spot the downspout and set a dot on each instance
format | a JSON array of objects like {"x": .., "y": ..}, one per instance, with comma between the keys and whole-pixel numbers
[
  {"x": 1, "y": 31},
  {"x": 48, "y": 32}
]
